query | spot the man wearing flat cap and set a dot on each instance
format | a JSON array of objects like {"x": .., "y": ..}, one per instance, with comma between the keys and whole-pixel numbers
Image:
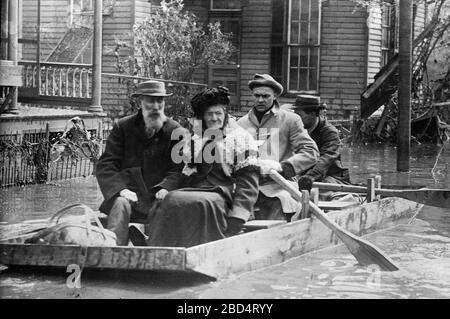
[
  {"x": 284, "y": 145},
  {"x": 329, "y": 168},
  {"x": 136, "y": 168}
]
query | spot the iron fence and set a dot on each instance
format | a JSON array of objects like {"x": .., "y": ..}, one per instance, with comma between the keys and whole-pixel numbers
[{"x": 25, "y": 158}]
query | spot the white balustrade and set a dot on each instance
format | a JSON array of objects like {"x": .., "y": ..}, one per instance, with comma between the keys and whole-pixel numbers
[{"x": 59, "y": 79}]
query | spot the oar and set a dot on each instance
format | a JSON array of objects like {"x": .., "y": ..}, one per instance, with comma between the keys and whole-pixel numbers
[
  {"x": 364, "y": 252},
  {"x": 431, "y": 197}
]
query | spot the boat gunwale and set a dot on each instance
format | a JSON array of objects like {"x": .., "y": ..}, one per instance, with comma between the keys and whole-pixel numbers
[{"x": 189, "y": 255}]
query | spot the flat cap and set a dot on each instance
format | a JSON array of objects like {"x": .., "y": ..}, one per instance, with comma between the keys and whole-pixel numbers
[{"x": 265, "y": 80}]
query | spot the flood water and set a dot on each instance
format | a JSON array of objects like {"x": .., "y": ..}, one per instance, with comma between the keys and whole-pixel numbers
[{"x": 421, "y": 248}]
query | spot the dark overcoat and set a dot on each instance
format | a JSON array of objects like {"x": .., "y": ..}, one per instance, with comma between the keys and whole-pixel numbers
[
  {"x": 132, "y": 160},
  {"x": 327, "y": 139}
]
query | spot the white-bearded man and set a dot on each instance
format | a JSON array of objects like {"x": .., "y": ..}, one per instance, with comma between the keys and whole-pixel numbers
[{"x": 136, "y": 168}]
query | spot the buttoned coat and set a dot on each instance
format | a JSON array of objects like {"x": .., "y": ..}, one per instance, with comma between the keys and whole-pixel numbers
[
  {"x": 327, "y": 139},
  {"x": 133, "y": 161},
  {"x": 282, "y": 138}
]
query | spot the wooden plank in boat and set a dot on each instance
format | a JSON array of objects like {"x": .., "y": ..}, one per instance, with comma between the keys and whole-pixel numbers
[
  {"x": 336, "y": 205},
  {"x": 254, "y": 250}
]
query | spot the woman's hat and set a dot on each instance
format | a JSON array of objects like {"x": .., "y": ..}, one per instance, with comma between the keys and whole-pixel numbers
[
  {"x": 308, "y": 103},
  {"x": 151, "y": 88},
  {"x": 209, "y": 97},
  {"x": 265, "y": 80}
]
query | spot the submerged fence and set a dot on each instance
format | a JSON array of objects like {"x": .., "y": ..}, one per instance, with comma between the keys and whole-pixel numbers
[{"x": 26, "y": 158}]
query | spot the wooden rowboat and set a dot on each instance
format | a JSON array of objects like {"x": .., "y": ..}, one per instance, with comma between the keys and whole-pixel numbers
[{"x": 271, "y": 243}]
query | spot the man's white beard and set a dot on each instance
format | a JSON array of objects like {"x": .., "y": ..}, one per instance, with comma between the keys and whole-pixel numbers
[{"x": 154, "y": 124}]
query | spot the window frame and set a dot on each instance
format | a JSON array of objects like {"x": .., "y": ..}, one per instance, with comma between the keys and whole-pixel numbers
[
  {"x": 73, "y": 13},
  {"x": 289, "y": 46},
  {"x": 388, "y": 52}
]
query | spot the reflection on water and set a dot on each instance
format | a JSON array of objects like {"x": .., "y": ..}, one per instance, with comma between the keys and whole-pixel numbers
[
  {"x": 428, "y": 166},
  {"x": 41, "y": 201},
  {"x": 421, "y": 249}
]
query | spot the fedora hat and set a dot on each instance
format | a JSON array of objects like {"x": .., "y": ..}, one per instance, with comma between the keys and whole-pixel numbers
[
  {"x": 151, "y": 88},
  {"x": 308, "y": 103},
  {"x": 265, "y": 80}
]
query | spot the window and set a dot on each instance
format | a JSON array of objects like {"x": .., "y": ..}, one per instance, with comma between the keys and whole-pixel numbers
[
  {"x": 388, "y": 42},
  {"x": 81, "y": 12},
  {"x": 225, "y": 5},
  {"x": 303, "y": 39}
]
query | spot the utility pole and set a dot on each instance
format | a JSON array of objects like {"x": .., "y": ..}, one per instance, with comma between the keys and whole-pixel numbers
[
  {"x": 96, "y": 106},
  {"x": 404, "y": 86}
]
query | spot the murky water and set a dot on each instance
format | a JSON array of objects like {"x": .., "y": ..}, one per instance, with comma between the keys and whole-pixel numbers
[{"x": 421, "y": 249}]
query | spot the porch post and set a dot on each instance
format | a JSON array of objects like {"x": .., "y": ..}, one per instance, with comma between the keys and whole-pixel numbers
[
  {"x": 4, "y": 31},
  {"x": 13, "y": 19},
  {"x": 97, "y": 59},
  {"x": 404, "y": 86}
]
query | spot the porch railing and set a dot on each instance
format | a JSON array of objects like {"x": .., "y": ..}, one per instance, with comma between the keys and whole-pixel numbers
[{"x": 53, "y": 79}]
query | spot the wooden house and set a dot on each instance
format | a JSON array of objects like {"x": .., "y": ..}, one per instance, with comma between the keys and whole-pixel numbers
[
  {"x": 332, "y": 48},
  {"x": 328, "y": 47}
]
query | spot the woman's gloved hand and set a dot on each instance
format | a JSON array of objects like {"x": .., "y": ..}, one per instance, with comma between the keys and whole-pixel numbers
[{"x": 161, "y": 194}]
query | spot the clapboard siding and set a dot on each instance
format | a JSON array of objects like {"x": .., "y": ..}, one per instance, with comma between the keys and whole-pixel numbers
[
  {"x": 374, "y": 26},
  {"x": 54, "y": 20},
  {"x": 28, "y": 25},
  {"x": 114, "y": 93},
  {"x": 420, "y": 18},
  {"x": 343, "y": 56},
  {"x": 255, "y": 47},
  {"x": 142, "y": 9},
  {"x": 374, "y": 44}
]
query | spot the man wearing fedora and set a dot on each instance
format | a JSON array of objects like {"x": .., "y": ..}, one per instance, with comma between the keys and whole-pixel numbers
[
  {"x": 136, "y": 167},
  {"x": 329, "y": 168},
  {"x": 284, "y": 145}
]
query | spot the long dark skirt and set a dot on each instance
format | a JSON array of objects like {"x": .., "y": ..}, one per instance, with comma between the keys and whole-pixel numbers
[{"x": 187, "y": 218}]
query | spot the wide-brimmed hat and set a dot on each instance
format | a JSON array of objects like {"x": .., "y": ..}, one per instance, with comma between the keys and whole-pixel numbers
[
  {"x": 265, "y": 80},
  {"x": 209, "y": 97},
  {"x": 151, "y": 88},
  {"x": 308, "y": 103}
]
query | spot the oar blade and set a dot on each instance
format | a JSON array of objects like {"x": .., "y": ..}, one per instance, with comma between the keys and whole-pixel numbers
[
  {"x": 364, "y": 252},
  {"x": 367, "y": 254}
]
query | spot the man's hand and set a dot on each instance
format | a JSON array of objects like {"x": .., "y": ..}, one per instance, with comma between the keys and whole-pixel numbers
[
  {"x": 128, "y": 195},
  {"x": 234, "y": 226},
  {"x": 305, "y": 182},
  {"x": 161, "y": 194},
  {"x": 267, "y": 165}
]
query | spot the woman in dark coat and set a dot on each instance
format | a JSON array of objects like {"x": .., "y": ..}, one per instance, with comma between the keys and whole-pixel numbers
[{"x": 219, "y": 182}]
